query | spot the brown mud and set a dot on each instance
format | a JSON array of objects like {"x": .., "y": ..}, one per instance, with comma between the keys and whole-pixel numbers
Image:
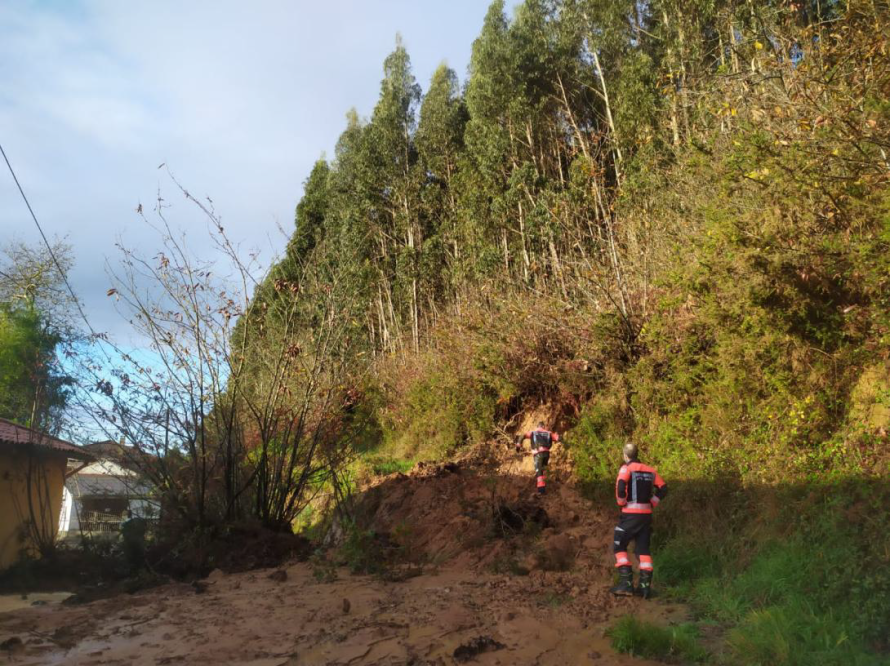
[{"x": 472, "y": 584}]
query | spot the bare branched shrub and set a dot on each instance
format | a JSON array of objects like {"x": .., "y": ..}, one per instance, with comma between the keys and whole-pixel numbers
[{"x": 242, "y": 407}]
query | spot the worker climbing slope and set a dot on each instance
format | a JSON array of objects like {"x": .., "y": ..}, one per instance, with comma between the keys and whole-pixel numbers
[
  {"x": 638, "y": 489},
  {"x": 542, "y": 440}
]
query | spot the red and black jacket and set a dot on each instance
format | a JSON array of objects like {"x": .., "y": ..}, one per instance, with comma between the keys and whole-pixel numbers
[
  {"x": 639, "y": 488},
  {"x": 542, "y": 439}
]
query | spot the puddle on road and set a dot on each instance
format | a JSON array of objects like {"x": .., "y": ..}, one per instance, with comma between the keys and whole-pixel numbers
[{"x": 14, "y": 602}]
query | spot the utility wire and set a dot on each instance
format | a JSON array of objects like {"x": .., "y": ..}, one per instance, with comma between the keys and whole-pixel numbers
[
  {"x": 52, "y": 254},
  {"x": 48, "y": 246}
]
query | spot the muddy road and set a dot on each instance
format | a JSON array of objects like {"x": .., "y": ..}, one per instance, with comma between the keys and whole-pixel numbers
[{"x": 250, "y": 618}]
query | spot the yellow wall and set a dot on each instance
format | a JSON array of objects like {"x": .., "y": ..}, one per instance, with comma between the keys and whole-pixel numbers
[{"x": 48, "y": 480}]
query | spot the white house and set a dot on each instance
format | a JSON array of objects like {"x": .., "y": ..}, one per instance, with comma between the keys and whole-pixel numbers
[{"x": 101, "y": 495}]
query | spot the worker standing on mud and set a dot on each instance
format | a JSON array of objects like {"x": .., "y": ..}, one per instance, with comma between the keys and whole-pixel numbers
[
  {"x": 542, "y": 439},
  {"x": 638, "y": 490}
]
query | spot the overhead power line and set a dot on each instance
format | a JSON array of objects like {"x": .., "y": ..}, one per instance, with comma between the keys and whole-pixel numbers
[{"x": 48, "y": 246}]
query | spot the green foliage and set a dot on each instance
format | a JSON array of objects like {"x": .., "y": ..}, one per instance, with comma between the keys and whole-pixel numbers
[
  {"x": 383, "y": 466},
  {"x": 597, "y": 440},
  {"x": 33, "y": 389},
  {"x": 362, "y": 550},
  {"x": 686, "y": 559},
  {"x": 437, "y": 416},
  {"x": 365, "y": 551},
  {"x": 323, "y": 569},
  {"x": 677, "y": 644},
  {"x": 807, "y": 589},
  {"x": 312, "y": 213},
  {"x": 793, "y": 634}
]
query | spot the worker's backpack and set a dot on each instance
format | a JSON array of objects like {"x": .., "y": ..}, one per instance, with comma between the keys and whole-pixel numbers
[{"x": 542, "y": 439}]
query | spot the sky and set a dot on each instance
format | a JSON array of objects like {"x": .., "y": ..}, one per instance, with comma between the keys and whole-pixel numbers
[{"x": 237, "y": 99}]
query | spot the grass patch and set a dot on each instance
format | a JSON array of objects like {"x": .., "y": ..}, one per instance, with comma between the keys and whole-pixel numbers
[
  {"x": 383, "y": 466},
  {"x": 670, "y": 644},
  {"x": 554, "y": 600},
  {"x": 810, "y": 592},
  {"x": 508, "y": 564},
  {"x": 795, "y": 634},
  {"x": 685, "y": 560}
]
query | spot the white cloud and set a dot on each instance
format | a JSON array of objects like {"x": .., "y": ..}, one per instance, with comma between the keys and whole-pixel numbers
[{"x": 239, "y": 98}]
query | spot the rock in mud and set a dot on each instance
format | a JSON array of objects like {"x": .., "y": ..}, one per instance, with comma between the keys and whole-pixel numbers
[
  {"x": 278, "y": 576},
  {"x": 346, "y": 606},
  {"x": 557, "y": 553},
  {"x": 67, "y": 636},
  {"x": 12, "y": 645},
  {"x": 476, "y": 646},
  {"x": 215, "y": 575}
]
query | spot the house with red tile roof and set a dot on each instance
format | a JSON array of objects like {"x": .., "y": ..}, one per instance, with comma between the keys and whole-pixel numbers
[{"x": 33, "y": 469}]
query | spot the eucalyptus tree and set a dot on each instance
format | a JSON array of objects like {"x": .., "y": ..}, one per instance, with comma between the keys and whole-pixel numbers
[
  {"x": 311, "y": 215},
  {"x": 397, "y": 184},
  {"x": 440, "y": 144}
]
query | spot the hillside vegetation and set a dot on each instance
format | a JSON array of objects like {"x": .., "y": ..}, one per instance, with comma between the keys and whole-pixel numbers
[{"x": 668, "y": 222}]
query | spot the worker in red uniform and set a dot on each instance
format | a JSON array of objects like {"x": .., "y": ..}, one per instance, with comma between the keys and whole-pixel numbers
[
  {"x": 638, "y": 490},
  {"x": 542, "y": 439}
]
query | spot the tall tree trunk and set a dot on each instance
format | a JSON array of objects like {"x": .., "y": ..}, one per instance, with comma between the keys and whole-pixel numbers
[
  {"x": 557, "y": 268},
  {"x": 381, "y": 313},
  {"x": 580, "y": 137},
  {"x": 733, "y": 45},
  {"x": 675, "y": 124},
  {"x": 605, "y": 94},
  {"x": 684, "y": 84},
  {"x": 526, "y": 262}
]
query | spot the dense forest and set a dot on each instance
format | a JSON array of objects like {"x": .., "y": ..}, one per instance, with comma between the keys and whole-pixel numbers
[{"x": 670, "y": 220}]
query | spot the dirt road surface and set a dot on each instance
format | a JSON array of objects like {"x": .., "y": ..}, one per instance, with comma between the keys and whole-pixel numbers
[{"x": 543, "y": 618}]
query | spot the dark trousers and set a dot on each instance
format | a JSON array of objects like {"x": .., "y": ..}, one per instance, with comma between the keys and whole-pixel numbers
[
  {"x": 636, "y": 527},
  {"x": 541, "y": 460}
]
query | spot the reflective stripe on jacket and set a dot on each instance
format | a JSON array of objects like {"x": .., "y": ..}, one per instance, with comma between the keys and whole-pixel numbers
[{"x": 639, "y": 488}]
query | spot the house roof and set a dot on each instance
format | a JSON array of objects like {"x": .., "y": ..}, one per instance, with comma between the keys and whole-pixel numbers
[
  {"x": 12, "y": 434},
  {"x": 95, "y": 485},
  {"x": 106, "y": 447},
  {"x": 133, "y": 458}
]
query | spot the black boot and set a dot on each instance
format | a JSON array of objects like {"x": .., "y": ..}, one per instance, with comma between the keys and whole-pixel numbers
[
  {"x": 625, "y": 587},
  {"x": 645, "y": 588}
]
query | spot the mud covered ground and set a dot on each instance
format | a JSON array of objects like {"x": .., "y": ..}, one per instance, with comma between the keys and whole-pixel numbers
[
  {"x": 472, "y": 584},
  {"x": 250, "y": 618}
]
